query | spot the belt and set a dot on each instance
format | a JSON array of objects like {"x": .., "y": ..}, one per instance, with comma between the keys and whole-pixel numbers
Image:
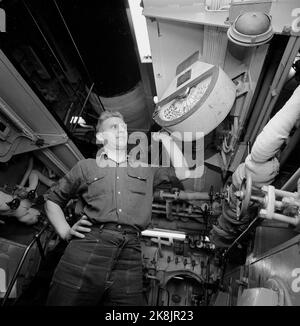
[{"x": 123, "y": 228}]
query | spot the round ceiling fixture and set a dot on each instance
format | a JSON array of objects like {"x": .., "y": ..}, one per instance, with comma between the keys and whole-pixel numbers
[{"x": 251, "y": 29}]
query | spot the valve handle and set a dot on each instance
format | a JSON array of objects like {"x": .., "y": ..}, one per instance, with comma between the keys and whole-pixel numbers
[
  {"x": 14, "y": 204},
  {"x": 244, "y": 195}
]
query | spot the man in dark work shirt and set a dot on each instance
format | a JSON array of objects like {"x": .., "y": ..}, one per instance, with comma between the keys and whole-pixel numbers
[{"x": 102, "y": 262}]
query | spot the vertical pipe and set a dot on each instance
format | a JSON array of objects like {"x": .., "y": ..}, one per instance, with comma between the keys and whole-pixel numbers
[
  {"x": 290, "y": 146},
  {"x": 288, "y": 57}
]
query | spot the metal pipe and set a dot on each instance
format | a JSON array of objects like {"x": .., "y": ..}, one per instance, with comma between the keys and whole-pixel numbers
[
  {"x": 193, "y": 195},
  {"x": 27, "y": 173},
  {"x": 282, "y": 193},
  {"x": 240, "y": 236},
  {"x": 290, "y": 146},
  {"x": 291, "y": 184},
  {"x": 16, "y": 273},
  {"x": 259, "y": 107},
  {"x": 177, "y": 225},
  {"x": 67, "y": 116},
  {"x": 262, "y": 162},
  {"x": 19, "y": 123},
  {"x": 174, "y": 209},
  {"x": 207, "y": 280},
  {"x": 156, "y": 211},
  {"x": 269, "y": 141},
  {"x": 261, "y": 200},
  {"x": 36, "y": 176},
  {"x": 280, "y": 217},
  {"x": 284, "y": 67},
  {"x": 183, "y": 195},
  {"x": 58, "y": 164}
]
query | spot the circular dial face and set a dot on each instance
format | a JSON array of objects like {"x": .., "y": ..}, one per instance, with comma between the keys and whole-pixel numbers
[{"x": 179, "y": 106}]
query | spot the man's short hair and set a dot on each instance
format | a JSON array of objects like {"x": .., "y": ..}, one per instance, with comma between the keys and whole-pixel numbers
[{"x": 106, "y": 115}]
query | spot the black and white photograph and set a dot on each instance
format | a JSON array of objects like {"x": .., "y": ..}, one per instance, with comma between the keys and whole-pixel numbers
[{"x": 149, "y": 156}]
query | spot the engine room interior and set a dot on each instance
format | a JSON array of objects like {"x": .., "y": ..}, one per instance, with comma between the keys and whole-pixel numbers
[{"x": 221, "y": 77}]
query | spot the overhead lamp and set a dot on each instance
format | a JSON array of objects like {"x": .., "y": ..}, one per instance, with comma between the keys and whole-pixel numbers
[
  {"x": 140, "y": 30},
  {"x": 78, "y": 120},
  {"x": 251, "y": 29}
]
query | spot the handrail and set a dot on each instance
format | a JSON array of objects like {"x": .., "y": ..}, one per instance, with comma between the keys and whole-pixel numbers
[{"x": 36, "y": 239}]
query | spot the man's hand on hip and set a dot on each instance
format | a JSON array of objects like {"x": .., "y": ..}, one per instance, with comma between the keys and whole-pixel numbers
[{"x": 78, "y": 229}]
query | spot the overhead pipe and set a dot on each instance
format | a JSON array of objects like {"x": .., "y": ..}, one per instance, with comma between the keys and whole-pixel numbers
[{"x": 33, "y": 176}]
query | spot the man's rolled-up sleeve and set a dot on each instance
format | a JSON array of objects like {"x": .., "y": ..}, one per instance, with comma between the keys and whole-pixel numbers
[{"x": 66, "y": 188}]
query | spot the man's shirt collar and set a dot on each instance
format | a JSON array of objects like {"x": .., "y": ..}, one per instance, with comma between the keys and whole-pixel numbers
[{"x": 103, "y": 155}]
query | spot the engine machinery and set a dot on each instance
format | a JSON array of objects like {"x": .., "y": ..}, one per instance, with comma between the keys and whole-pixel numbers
[{"x": 225, "y": 79}]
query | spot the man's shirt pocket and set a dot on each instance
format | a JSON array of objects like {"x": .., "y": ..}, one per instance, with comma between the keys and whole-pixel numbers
[
  {"x": 97, "y": 186},
  {"x": 138, "y": 181}
]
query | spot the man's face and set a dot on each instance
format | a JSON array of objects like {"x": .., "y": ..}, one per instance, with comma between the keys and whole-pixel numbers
[{"x": 113, "y": 133}]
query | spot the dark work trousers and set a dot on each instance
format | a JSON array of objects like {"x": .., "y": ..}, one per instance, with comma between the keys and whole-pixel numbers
[{"x": 104, "y": 268}]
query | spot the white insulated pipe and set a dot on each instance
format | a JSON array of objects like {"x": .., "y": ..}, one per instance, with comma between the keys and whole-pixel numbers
[
  {"x": 261, "y": 162},
  {"x": 36, "y": 176},
  {"x": 277, "y": 130}
]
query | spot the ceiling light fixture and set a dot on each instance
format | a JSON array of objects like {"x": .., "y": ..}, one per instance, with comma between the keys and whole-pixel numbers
[{"x": 80, "y": 120}]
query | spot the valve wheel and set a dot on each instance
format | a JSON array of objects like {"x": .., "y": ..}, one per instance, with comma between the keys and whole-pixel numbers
[{"x": 244, "y": 197}]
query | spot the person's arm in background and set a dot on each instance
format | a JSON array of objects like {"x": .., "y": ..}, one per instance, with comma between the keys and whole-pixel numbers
[
  {"x": 57, "y": 218},
  {"x": 178, "y": 160},
  {"x": 57, "y": 197}
]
